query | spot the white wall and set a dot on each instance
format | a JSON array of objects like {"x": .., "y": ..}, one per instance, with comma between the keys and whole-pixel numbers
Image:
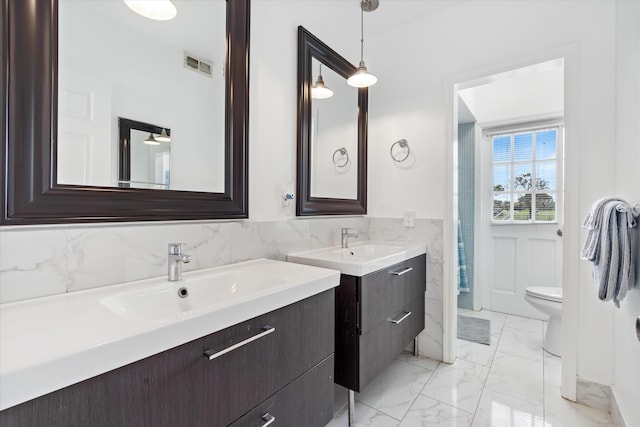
[
  {"x": 486, "y": 35},
  {"x": 626, "y": 350}
]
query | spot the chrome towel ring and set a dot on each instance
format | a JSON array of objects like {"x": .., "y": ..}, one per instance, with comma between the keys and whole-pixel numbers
[
  {"x": 402, "y": 143},
  {"x": 343, "y": 160}
]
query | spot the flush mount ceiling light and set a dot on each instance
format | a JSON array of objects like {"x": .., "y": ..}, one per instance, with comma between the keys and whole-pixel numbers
[
  {"x": 163, "y": 137},
  {"x": 151, "y": 140},
  {"x": 319, "y": 90},
  {"x": 160, "y": 10},
  {"x": 362, "y": 77}
]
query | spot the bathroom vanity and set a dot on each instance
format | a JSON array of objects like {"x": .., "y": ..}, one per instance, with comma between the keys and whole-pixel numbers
[
  {"x": 379, "y": 305},
  {"x": 277, "y": 365}
]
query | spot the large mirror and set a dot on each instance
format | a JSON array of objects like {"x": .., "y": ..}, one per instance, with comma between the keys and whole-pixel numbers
[
  {"x": 332, "y": 133},
  {"x": 69, "y": 81}
]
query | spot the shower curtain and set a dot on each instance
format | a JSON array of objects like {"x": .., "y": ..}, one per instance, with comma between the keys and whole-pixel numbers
[{"x": 463, "y": 280}]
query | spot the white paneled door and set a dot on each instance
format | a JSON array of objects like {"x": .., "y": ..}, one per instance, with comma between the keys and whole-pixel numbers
[
  {"x": 520, "y": 243},
  {"x": 85, "y": 146}
]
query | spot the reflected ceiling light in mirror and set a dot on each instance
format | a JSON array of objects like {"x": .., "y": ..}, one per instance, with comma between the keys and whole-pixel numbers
[
  {"x": 160, "y": 10},
  {"x": 151, "y": 140},
  {"x": 163, "y": 137},
  {"x": 319, "y": 90},
  {"x": 362, "y": 77}
]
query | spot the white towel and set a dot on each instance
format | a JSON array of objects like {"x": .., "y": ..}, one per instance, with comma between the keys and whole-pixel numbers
[{"x": 608, "y": 246}]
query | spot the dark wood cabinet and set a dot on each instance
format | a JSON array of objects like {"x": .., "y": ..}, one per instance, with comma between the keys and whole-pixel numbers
[
  {"x": 377, "y": 316},
  {"x": 181, "y": 386}
]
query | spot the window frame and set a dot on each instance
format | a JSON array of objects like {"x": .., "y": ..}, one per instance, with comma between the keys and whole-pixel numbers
[{"x": 512, "y": 131}]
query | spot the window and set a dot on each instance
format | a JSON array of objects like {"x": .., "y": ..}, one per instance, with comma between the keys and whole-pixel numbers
[{"x": 525, "y": 176}]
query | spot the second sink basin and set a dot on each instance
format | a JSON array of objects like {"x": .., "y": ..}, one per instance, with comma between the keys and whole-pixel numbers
[{"x": 360, "y": 258}]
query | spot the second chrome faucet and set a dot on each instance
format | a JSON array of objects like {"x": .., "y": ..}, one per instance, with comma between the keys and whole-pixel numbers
[
  {"x": 344, "y": 241},
  {"x": 176, "y": 259}
]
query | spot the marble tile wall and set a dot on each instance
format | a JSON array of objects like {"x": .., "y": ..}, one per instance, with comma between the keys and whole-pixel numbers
[{"x": 36, "y": 262}]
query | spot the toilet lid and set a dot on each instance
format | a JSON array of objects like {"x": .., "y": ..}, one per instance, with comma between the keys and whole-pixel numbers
[{"x": 549, "y": 293}]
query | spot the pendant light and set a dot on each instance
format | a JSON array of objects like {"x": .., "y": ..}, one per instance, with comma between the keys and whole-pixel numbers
[
  {"x": 362, "y": 77},
  {"x": 319, "y": 90},
  {"x": 163, "y": 137},
  {"x": 159, "y": 10},
  {"x": 151, "y": 140}
]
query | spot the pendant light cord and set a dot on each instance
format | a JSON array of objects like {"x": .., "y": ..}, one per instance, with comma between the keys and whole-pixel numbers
[{"x": 361, "y": 34}]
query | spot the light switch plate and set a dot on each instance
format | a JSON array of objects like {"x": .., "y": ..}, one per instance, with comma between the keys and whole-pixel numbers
[{"x": 409, "y": 219}]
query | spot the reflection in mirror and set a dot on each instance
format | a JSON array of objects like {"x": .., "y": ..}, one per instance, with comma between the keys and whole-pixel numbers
[
  {"x": 144, "y": 153},
  {"x": 332, "y": 134},
  {"x": 333, "y": 128},
  {"x": 126, "y": 65}
]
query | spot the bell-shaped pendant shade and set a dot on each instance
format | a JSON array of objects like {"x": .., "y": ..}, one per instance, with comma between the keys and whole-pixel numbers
[
  {"x": 160, "y": 10},
  {"x": 151, "y": 140},
  {"x": 319, "y": 90},
  {"x": 362, "y": 77},
  {"x": 163, "y": 137}
]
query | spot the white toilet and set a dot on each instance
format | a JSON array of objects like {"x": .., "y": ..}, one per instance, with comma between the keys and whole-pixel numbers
[{"x": 549, "y": 301}]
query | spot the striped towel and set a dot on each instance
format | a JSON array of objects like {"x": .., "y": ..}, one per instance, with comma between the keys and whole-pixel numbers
[{"x": 463, "y": 280}]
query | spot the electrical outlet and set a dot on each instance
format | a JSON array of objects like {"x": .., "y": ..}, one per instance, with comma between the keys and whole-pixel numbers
[
  {"x": 409, "y": 219},
  {"x": 287, "y": 197}
]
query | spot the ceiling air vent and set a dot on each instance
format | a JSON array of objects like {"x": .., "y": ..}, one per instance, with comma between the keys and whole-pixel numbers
[{"x": 203, "y": 66}]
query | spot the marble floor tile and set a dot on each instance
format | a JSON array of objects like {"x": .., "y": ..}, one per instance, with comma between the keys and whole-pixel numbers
[
  {"x": 459, "y": 384},
  {"x": 477, "y": 353},
  {"x": 523, "y": 343},
  {"x": 524, "y": 324},
  {"x": 364, "y": 417},
  {"x": 422, "y": 361},
  {"x": 395, "y": 389},
  {"x": 552, "y": 370},
  {"x": 561, "y": 412},
  {"x": 500, "y": 410},
  {"x": 517, "y": 376},
  {"x": 428, "y": 412}
]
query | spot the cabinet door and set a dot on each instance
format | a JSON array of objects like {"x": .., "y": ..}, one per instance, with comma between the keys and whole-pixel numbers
[
  {"x": 381, "y": 345},
  {"x": 188, "y": 388},
  {"x": 385, "y": 292},
  {"x": 308, "y": 402},
  {"x": 116, "y": 398}
]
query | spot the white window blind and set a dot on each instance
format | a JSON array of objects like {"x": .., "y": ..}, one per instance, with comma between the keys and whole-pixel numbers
[{"x": 526, "y": 170}]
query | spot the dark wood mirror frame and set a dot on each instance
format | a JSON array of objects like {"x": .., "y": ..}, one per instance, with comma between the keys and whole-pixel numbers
[
  {"x": 309, "y": 46},
  {"x": 28, "y": 96}
]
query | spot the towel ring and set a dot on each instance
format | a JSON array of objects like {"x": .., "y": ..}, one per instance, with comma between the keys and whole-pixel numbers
[
  {"x": 345, "y": 156},
  {"x": 402, "y": 143}
]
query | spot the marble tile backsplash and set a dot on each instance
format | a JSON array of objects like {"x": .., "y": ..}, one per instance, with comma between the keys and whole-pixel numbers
[{"x": 37, "y": 262}]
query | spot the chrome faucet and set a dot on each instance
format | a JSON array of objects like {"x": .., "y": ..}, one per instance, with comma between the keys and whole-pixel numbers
[
  {"x": 176, "y": 259},
  {"x": 345, "y": 237}
]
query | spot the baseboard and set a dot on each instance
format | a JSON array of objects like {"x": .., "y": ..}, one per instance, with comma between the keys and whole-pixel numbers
[
  {"x": 600, "y": 397},
  {"x": 616, "y": 415}
]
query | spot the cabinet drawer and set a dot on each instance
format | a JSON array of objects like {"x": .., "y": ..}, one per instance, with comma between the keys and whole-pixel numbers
[
  {"x": 308, "y": 401},
  {"x": 189, "y": 389},
  {"x": 381, "y": 345},
  {"x": 385, "y": 292}
]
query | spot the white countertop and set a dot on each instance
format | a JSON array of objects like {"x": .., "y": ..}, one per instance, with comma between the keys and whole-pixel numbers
[
  {"x": 360, "y": 258},
  {"x": 52, "y": 342}
]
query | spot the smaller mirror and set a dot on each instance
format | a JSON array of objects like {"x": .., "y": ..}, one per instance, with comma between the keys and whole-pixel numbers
[
  {"x": 144, "y": 155},
  {"x": 332, "y": 133}
]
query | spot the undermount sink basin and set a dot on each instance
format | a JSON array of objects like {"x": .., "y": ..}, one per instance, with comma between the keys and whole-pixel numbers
[
  {"x": 198, "y": 291},
  {"x": 360, "y": 258}
]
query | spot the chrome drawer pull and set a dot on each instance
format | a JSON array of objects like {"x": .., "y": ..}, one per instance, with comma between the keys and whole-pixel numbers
[
  {"x": 397, "y": 322},
  {"x": 266, "y": 330},
  {"x": 268, "y": 418},
  {"x": 400, "y": 273}
]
